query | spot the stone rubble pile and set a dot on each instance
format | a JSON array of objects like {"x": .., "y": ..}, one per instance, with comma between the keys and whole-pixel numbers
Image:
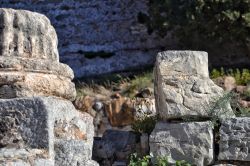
[
  {"x": 39, "y": 125},
  {"x": 186, "y": 101}
]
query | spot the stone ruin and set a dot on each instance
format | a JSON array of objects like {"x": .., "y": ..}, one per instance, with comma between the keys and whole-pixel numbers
[
  {"x": 185, "y": 98},
  {"x": 39, "y": 125}
]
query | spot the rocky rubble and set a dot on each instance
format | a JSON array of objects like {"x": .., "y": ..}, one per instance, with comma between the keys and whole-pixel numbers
[{"x": 39, "y": 125}]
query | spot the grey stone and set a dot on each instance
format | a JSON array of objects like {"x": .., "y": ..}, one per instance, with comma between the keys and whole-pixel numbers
[
  {"x": 224, "y": 165},
  {"x": 115, "y": 144},
  {"x": 45, "y": 130},
  {"x": 192, "y": 142},
  {"x": 103, "y": 149},
  {"x": 235, "y": 139},
  {"x": 119, "y": 163},
  {"x": 144, "y": 140},
  {"x": 183, "y": 87},
  {"x": 72, "y": 152}
]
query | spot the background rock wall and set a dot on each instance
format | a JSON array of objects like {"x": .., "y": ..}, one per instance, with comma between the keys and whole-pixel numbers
[
  {"x": 107, "y": 30},
  {"x": 102, "y": 36}
]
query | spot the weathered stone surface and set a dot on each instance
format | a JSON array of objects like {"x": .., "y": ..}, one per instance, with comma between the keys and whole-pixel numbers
[
  {"x": 95, "y": 26},
  {"x": 192, "y": 142},
  {"x": 144, "y": 140},
  {"x": 235, "y": 139},
  {"x": 114, "y": 145},
  {"x": 29, "y": 61},
  {"x": 27, "y": 34},
  {"x": 183, "y": 87},
  {"x": 44, "y": 129}
]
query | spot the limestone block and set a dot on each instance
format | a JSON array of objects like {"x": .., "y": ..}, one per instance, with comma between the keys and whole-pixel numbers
[
  {"x": 29, "y": 60},
  {"x": 235, "y": 139},
  {"x": 183, "y": 87},
  {"x": 27, "y": 34},
  {"x": 192, "y": 142},
  {"x": 40, "y": 129}
]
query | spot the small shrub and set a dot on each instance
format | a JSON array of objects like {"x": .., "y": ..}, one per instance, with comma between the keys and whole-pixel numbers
[
  {"x": 242, "y": 77},
  {"x": 160, "y": 161},
  {"x": 217, "y": 73},
  {"x": 197, "y": 21},
  {"x": 145, "y": 125},
  {"x": 182, "y": 163},
  {"x": 137, "y": 161},
  {"x": 221, "y": 104}
]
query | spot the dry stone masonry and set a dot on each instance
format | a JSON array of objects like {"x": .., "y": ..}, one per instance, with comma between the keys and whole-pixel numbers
[
  {"x": 184, "y": 93},
  {"x": 39, "y": 125},
  {"x": 191, "y": 142}
]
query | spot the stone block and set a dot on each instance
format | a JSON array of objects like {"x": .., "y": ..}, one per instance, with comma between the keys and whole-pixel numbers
[
  {"x": 192, "y": 142},
  {"x": 235, "y": 139},
  {"x": 29, "y": 60},
  {"x": 183, "y": 87},
  {"x": 44, "y": 130}
]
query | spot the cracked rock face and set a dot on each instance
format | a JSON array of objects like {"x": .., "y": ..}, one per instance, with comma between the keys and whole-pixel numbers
[
  {"x": 183, "y": 87},
  {"x": 192, "y": 142},
  {"x": 29, "y": 60},
  {"x": 235, "y": 139}
]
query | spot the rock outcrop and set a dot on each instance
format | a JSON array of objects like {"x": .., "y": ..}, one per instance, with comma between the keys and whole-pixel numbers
[
  {"x": 38, "y": 125},
  {"x": 183, "y": 87}
]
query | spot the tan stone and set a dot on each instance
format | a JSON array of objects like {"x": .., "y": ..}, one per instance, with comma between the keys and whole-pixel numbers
[
  {"x": 229, "y": 83},
  {"x": 29, "y": 60}
]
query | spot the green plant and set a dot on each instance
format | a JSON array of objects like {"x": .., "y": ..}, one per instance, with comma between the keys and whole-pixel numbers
[
  {"x": 137, "y": 161},
  {"x": 200, "y": 20},
  {"x": 215, "y": 73},
  {"x": 242, "y": 77},
  {"x": 144, "y": 125},
  {"x": 162, "y": 161},
  {"x": 182, "y": 163},
  {"x": 221, "y": 104}
]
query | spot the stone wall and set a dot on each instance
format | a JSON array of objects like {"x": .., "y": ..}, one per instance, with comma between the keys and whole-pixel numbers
[
  {"x": 191, "y": 109},
  {"x": 109, "y": 31}
]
